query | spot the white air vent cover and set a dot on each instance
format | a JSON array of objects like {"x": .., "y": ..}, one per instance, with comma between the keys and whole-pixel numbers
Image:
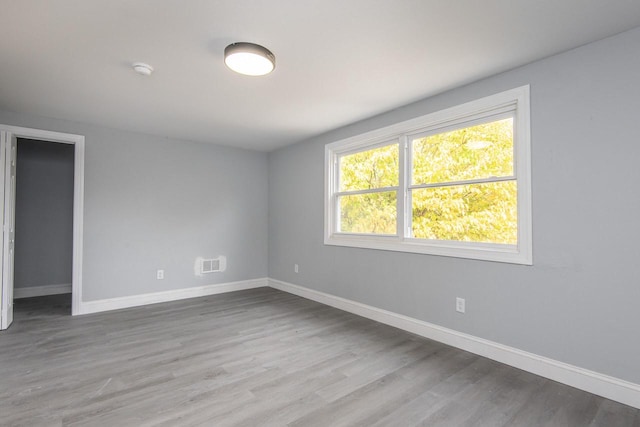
[{"x": 210, "y": 265}]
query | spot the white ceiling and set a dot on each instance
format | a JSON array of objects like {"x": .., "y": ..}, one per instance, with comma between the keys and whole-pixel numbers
[{"x": 337, "y": 61}]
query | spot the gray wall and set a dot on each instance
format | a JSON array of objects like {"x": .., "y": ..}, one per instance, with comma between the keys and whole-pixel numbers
[
  {"x": 154, "y": 203},
  {"x": 578, "y": 302},
  {"x": 44, "y": 213}
]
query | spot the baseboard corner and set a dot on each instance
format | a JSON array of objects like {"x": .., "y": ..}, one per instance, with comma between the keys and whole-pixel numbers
[{"x": 603, "y": 385}]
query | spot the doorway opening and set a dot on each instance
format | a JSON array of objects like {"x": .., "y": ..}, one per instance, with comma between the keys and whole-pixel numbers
[
  {"x": 44, "y": 263},
  {"x": 43, "y": 222}
]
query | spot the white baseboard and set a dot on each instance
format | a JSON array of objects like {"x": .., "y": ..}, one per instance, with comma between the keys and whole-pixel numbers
[
  {"x": 87, "y": 307},
  {"x": 38, "y": 291},
  {"x": 583, "y": 379}
]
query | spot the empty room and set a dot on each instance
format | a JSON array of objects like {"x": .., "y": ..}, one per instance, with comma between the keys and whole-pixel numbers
[{"x": 319, "y": 213}]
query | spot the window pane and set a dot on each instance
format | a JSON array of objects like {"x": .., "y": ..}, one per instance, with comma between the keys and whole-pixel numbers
[
  {"x": 475, "y": 152},
  {"x": 375, "y": 168},
  {"x": 371, "y": 213},
  {"x": 470, "y": 213}
]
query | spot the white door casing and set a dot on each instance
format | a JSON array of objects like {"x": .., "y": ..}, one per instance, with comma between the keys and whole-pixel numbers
[
  {"x": 9, "y": 148},
  {"x": 8, "y": 137},
  {"x": 4, "y": 297}
]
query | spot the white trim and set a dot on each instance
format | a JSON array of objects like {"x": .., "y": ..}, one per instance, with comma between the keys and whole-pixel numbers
[
  {"x": 97, "y": 306},
  {"x": 574, "y": 376},
  {"x": 477, "y": 251},
  {"x": 39, "y": 291},
  {"x": 78, "y": 227},
  {"x": 6, "y": 292},
  {"x": 78, "y": 198},
  {"x": 514, "y": 101}
]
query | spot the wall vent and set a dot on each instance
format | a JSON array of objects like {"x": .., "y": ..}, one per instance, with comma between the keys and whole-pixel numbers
[{"x": 210, "y": 265}]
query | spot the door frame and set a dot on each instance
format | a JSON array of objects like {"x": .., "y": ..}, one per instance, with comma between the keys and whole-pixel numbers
[{"x": 78, "y": 201}]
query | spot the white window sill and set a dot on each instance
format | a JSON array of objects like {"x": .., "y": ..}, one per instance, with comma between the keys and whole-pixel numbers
[{"x": 477, "y": 251}]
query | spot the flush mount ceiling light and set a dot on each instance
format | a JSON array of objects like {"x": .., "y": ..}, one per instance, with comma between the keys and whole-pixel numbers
[
  {"x": 142, "y": 68},
  {"x": 249, "y": 59}
]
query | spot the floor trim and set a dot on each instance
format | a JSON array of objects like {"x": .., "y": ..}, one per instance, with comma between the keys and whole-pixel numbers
[
  {"x": 583, "y": 379},
  {"x": 39, "y": 291},
  {"x": 88, "y": 307}
]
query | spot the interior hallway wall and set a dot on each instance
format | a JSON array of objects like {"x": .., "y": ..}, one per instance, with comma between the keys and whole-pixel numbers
[
  {"x": 44, "y": 214},
  {"x": 158, "y": 203}
]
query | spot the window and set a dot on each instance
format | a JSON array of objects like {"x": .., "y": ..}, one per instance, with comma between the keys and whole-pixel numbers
[
  {"x": 453, "y": 183},
  {"x": 369, "y": 191}
]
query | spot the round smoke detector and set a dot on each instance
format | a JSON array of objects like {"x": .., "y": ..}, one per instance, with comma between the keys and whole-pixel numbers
[{"x": 142, "y": 68}]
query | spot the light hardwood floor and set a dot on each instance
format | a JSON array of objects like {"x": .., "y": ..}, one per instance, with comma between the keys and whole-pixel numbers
[{"x": 262, "y": 358}]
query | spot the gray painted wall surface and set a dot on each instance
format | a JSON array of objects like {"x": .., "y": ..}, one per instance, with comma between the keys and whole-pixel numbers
[
  {"x": 44, "y": 214},
  {"x": 578, "y": 302},
  {"x": 156, "y": 203}
]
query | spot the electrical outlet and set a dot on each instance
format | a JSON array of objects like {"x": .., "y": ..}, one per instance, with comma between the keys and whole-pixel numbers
[
  {"x": 460, "y": 305},
  {"x": 295, "y": 268},
  {"x": 160, "y": 274}
]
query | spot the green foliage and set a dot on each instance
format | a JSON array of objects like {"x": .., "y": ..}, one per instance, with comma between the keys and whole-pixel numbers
[
  {"x": 475, "y": 212},
  {"x": 467, "y": 213},
  {"x": 482, "y": 212},
  {"x": 371, "y": 212},
  {"x": 369, "y": 169},
  {"x": 480, "y": 151}
]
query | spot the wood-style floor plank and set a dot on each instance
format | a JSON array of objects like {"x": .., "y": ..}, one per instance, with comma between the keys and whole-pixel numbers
[{"x": 262, "y": 358}]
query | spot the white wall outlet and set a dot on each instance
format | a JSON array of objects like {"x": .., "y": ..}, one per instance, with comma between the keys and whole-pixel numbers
[
  {"x": 460, "y": 305},
  {"x": 295, "y": 268},
  {"x": 160, "y": 274}
]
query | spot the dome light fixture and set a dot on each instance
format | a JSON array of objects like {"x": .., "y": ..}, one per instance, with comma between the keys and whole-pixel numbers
[
  {"x": 142, "y": 68},
  {"x": 249, "y": 59}
]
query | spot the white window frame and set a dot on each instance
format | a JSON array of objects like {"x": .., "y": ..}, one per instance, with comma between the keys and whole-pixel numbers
[{"x": 515, "y": 101}]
